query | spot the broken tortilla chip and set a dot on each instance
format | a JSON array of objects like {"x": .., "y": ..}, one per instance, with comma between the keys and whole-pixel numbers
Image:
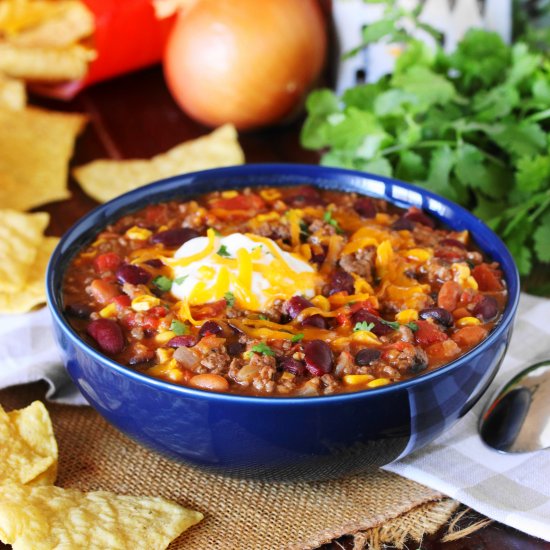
[
  {"x": 12, "y": 94},
  {"x": 49, "y": 64},
  {"x": 42, "y": 518},
  {"x": 20, "y": 238},
  {"x": 34, "y": 291},
  {"x": 106, "y": 179},
  {"x": 36, "y": 147},
  {"x": 28, "y": 450}
]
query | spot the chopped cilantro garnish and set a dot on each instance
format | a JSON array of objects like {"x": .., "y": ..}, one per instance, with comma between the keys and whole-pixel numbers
[
  {"x": 413, "y": 326},
  {"x": 163, "y": 283},
  {"x": 179, "y": 280},
  {"x": 331, "y": 221},
  {"x": 262, "y": 348},
  {"x": 178, "y": 327},
  {"x": 263, "y": 318},
  {"x": 297, "y": 337},
  {"x": 223, "y": 252},
  {"x": 304, "y": 228},
  {"x": 393, "y": 324},
  {"x": 229, "y": 298},
  {"x": 363, "y": 325}
]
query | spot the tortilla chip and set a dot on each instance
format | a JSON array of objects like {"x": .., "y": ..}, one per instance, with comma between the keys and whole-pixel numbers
[
  {"x": 20, "y": 238},
  {"x": 73, "y": 22},
  {"x": 49, "y": 64},
  {"x": 16, "y": 15},
  {"x": 12, "y": 93},
  {"x": 34, "y": 291},
  {"x": 42, "y": 518},
  {"x": 35, "y": 146},
  {"x": 105, "y": 179},
  {"x": 28, "y": 450}
]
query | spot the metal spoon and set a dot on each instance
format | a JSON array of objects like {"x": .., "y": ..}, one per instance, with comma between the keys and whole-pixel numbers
[{"x": 517, "y": 420}]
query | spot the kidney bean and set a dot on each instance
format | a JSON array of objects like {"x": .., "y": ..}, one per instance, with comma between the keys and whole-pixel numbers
[
  {"x": 318, "y": 255},
  {"x": 295, "y": 305},
  {"x": 133, "y": 274},
  {"x": 341, "y": 280},
  {"x": 235, "y": 348},
  {"x": 173, "y": 238},
  {"x": 107, "y": 334},
  {"x": 438, "y": 314},
  {"x": 402, "y": 224},
  {"x": 452, "y": 242},
  {"x": 187, "y": 340},
  {"x": 157, "y": 264},
  {"x": 292, "y": 365},
  {"x": 486, "y": 309},
  {"x": 362, "y": 315},
  {"x": 210, "y": 327},
  {"x": 367, "y": 356},
  {"x": 416, "y": 215},
  {"x": 318, "y": 356},
  {"x": 315, "y": 321},
  {"x": 365, "y": 207},
  {"x": 82, "y": 311}
]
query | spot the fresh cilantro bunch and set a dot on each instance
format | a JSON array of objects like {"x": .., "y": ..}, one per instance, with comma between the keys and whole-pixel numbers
[{"x": 471, "y": 125}]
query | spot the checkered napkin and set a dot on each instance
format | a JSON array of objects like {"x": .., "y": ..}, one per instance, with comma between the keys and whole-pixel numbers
[{"x": 513, "y": 489}]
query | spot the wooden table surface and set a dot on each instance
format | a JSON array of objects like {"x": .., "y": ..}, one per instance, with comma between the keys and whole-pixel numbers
[{"x": 135, "y": 117}]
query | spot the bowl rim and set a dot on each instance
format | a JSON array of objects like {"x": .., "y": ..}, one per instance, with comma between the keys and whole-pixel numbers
[{"x": 123, "y": 204}]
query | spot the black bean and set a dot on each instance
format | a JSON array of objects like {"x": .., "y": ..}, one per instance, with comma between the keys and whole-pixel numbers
[
  {"x": 367, "y": 356},
  {"x": 438, "y": 314},
  {"x": 82, "y": 311}
]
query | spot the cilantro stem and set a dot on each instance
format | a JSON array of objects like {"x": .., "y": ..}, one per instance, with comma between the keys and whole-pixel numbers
[
  {"x": 541, "y": 208},
  {"x": 422, "y": 145}
]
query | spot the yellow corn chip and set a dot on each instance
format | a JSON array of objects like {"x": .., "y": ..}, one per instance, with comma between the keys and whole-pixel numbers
[
  {"x": 34, "y": 291},
  {"x": 16, "y": 15},
  {"x": 105, "y": 179},
  {"x": 28, "y": 450},
  {"x": 73, "y": 22},
  {"x": 49, "y": 64},
  {"x": 42, "y": 518},
  {"x": 12, "y": 93},
  {"x": 35, "y": 148},
  {"x": 20, "y": 237}
]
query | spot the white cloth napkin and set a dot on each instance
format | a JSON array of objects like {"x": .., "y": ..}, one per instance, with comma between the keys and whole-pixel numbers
[{"x": 512, "y": 489}]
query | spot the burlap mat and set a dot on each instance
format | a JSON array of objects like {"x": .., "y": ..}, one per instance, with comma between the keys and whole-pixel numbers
[{"x": 238, "y": 514}]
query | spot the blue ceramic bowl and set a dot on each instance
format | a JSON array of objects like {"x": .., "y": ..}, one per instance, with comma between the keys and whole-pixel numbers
[{"x": 302, "y": 438}]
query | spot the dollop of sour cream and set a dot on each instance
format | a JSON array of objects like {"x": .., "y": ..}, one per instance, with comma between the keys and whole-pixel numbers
[{"x": 254, "y": 270}]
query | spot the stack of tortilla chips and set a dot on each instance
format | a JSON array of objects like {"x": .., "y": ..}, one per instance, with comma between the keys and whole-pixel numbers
[{"x": 36, "y": 515}]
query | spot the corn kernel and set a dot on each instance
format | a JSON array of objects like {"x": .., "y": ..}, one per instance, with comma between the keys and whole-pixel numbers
[
  {"x": 164, "y": 337},
  {"x": 287, "y": 376},
  {"x": 356, "y": 379},
  {"x": 365, "y": 337},
  {"x": 382, "y": 219},
  {"x": 229, "y": 194},
  {"x": 175, "y": 375},
  {"x": 305, "y": 251},
  {"x": 321, "y": 302},
  {"x": 164, "y": 354},
  {"x": 378, "y": 382},
  {"x": 407, "y": 316},
  {"x": 270, "y": 194},
  {"x": 108, "y": 311},
  {"x": 419, "y": 254},
  {"x": 144, "y": 302},
  {"x": 467, "y": 322},
  {"x": 471, "y": 283},
  {"x": 138, "y": 233}
]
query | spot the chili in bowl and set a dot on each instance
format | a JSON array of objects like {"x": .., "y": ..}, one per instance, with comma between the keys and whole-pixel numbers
[{"x": 256, "y": 290}]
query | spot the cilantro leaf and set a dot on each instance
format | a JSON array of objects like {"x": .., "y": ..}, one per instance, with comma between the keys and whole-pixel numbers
[
  {"x": 263, "y": 349},
  {"x": 178, "y": 327},
  {"x": 533, "y": 173},
  {"x": 413, "y": 326},
  {"x": 363, "y": 325},
  {"x": 392, "y": 324},
  {"x": 297, "y": 337},
  {"x": 229, "y": 297},
  {"x": 222, "y": 251},
  {"x": 163, "y": 283},
  {"x": 327, "y": 218},
  {"x": 541, "y": 238}
]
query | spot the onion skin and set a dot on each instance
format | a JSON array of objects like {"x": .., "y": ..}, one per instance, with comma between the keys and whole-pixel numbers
[{"x": 245, "y": 62}]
